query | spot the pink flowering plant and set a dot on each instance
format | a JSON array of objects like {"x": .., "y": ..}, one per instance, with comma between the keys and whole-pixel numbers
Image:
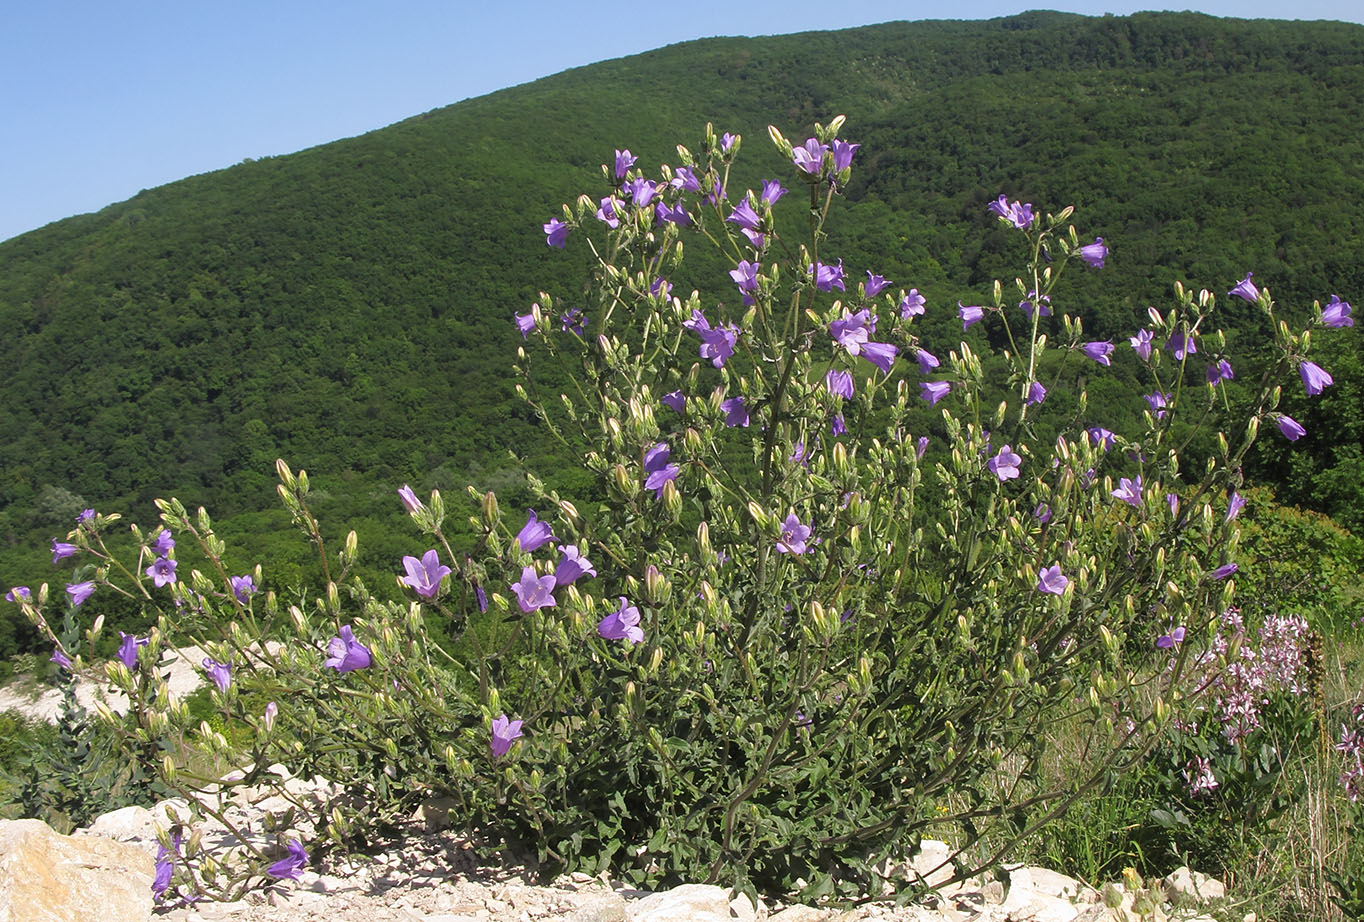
[{"x": 828, "y": 585}]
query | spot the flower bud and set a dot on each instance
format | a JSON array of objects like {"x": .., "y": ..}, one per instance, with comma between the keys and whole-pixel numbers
[
  {"x": 285, "y": 475},
  {"x": 351, "y": 550},
  {"x": 623, "y": 481},
  {"x": 268, "y": 722},
  {"x": 672, "y": 500},
  {"x": 692, "y": 441},
  {"x": 168, "y": 769},
  {"x": 334, "y": 596},
  {"x": 655, "y": 661}
]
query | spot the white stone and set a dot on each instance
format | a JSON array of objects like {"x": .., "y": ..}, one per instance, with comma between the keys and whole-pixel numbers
[
  {"x": 1184, "y": 885},
  {"x": 46, "y": 877},
  {"x": 687, "y": 903}
]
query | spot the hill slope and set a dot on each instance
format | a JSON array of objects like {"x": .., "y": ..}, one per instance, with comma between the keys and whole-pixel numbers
[{"x": 348, "y": 307}]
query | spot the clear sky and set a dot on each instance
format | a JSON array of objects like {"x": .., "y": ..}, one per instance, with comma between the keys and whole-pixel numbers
[{"x": 103, "y": 98}]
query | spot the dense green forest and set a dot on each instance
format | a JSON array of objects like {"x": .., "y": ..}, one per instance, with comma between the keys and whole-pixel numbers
[{"x": 349, "y": 307}]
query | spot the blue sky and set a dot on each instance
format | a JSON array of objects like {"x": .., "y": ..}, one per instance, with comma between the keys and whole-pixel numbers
[{"x": 103, "y": 99}]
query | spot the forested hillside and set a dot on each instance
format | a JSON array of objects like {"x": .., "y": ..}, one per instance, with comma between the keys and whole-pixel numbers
[{"x": 349, "y": 307}]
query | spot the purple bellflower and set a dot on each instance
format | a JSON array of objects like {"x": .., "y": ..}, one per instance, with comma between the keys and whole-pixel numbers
[
  {"x": 573, "y": 320},
  {"x": 772, "y": 191},
  {"x": 18, "y": 594},
  {"x": 572, "y": 566},
  {"x": 736, "y": 414},
  {"x": 79, "y": 592},
  {"x": 661, "y": 287},
  {"x": 1027, "y": 304},
  {"x": 219, "y": 673},
  {"x": 87, "y": 515},
  {"x": 1036, "y": 393},
  {"x": 1220, "y": 371},
  {"x": 1235, "y": 505},
  {"x": 347, "y": 653},
  {"x": 504, "y": 733},
  {"x": 162, "y": 572},
  {"x": 1180, "y": 345},
  {"x": 61, "y": 550},
  {"x": 1052, "y": 580},
  {"x": 839, "y": 383},
  {"x": 837, "y": 425},
  {"x": 1246, "y": 290},
  {"x": 1094, "y": 253},
  {"x": 1287, "y": 425},
  {"x": 744, "y": 216},
  {"x": 127, "y": 648},
  {"x": 927, "y": 361},
  {"x": 677, "y": 214},
  {"x": 622, "y": 624},
  {"x": 292, "y": 866},
  {"x": 61, "y": 659},
  {"x": 410, "y": 501},
  {"x": 745, "y": 275},
  {"x": 794, "y": 536},
  {"x": 827, "y": 277},
  {"x": 1098, "y": 351},
  {"x": 1005, "y": 465},
  {"x": 1166, "y": 641},
  {"x": 1016, "y": 213},
  {"x": 1100, "y": 436},
  {"x": 1141, "y": 344},
  {"x": 243, "y": 587},
  {"x": 533, "y": 592},
  {"x": 933, "y": 391},
  {"x": 607, "y": 214},
  {"x": 1337, "y": 313},
  {"x": 1158, "y": 402},
  {"x": 164, "y": 543},
  {"x": 809, "y": 157},
  {"x": 1314, "y": 378},
  {"x": 727, "y": 142},
  {"x": 969, "y": 314},
  {"x": 1129, "y": 491},
  {"x": 534, "y": 533},
  {"x": 624, "y": 160},
  {"x": 556, "y": 233},
  {"x": 641, "y": 191},
  {"x": 843, "y": 154},
  {"x": 425, "y": 575},
  {"x": 676, "y": 400},
  {"x": 657, "y": 470},
  {"x": 851, "y": 331},
  {"x": 874, "y": 286},
  {"x": 525, "y": 323},
  {"x": 912, "y": 304},
  {"x": 1222, "y": 572},
  {"x": 882, "y": 355}
]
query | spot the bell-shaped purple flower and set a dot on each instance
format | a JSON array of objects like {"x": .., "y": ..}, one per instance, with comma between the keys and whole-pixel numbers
[
  {"x": 882, "y": 355},
  {"x": 736, "y": 413},
  {"x": 717, "y": 343},
  {"x": 828, "y": 277},
  {"x": 161, "y": 572},
  {"x": 1234, "y": 506},
  {"x": 243, "y": 587},
  {"x": 657, "y": 470},
  {"x": 128, "y": 647},
  {"x": 875, "y": 284},
  {"x": 292, "y": 866},
  {"x": 219, "y": 673},
  {"x": 1314, "y": 377},
  {"x": 534, "y": 534},
  {"x": 425, "y": 575},
  {"x": 1222, "y": 572},
  {"x": 164, "y": 543},
  {"x": 347, "y": 653},
  {"x": 676, "y": 400},
  {"x": 607, "y": 213},
  {"x": 794, "y": 536},
  {"x": 1051, "y": 580},
  {"x": 839, "y": 383},
  {"x": 1036, "y": 393},
  {"x": 933, "y": 391},
  {"x": 624, "y": 160},
  {"x": 744, "y": 216},
  {"x": 772, "y": 191},
  {"x": 572, "y": 566},
  {"x": 504, "y": 733},
  {"x": 410, "y": 501},
  {"x": 1337, "y": 313},
  {"x": 969, "y": 314},
  {"x": 1290, "y": 428},
  {"x": 79, "y": 592},
  {"x": 1219, "y": 371},
  {"x": 525, "y": 323},
  {"x": 1005, "y": 465},
  {"x": 1180, "y": 345},
  {"x": 843, "y": 154},
  {"x": 62, "y": 550},
  {"x": 1098, "y": 351},
  {"x": 622, "y": 624},
  {"x": 19, "y": 594},
  {"x": 556, "y": 233},
  {"x": 837, "y": 425},
  {"x": 1158, "y": 402},
  {"x": 912, "y": 304},
  {"x": 1102, "y": 437},
  {"x": 851, "y": 331},
  {"x": 1094, "y": 253},
  {"x": 745, "y": 275},
  {"x": 927, "y": 361},
  {"x": 61, "y": 659},
  {"x": 809, "y": 157},
  {"x": 1167, "y": 641},
  {"x": 1142, "y": 343},
  {"x": 1129, "y": 491},
  {"x": 1246, "y": 290},
  {"x": 533, "y": 591}
]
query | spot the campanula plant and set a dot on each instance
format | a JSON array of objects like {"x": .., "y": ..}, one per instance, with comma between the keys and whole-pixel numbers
[{"x": 827, "y": 590}]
